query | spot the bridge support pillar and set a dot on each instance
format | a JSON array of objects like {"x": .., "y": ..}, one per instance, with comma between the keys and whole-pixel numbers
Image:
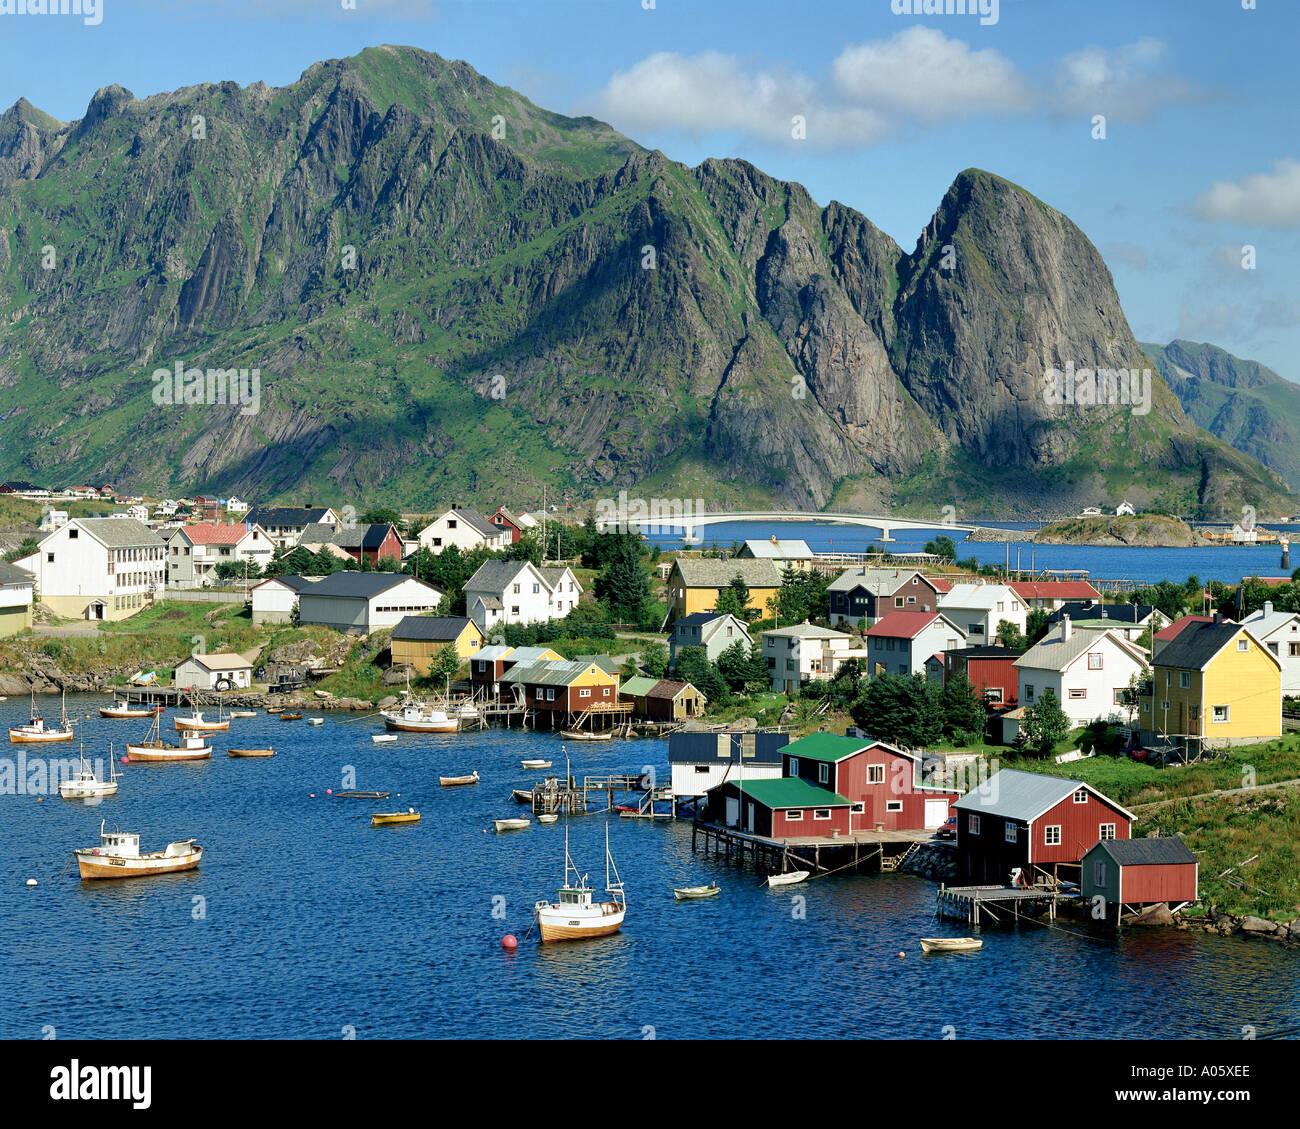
[{"x": 885, "y": 532}]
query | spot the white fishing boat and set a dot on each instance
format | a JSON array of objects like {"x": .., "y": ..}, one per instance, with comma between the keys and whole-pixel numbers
[
  {"x": 197, "y": 722},
  {"x": 85, "y": 785},
  {"x": 574, "y": 916},
  {"x": 950, "y": 944},
  {"x": 190, "y": 746},
  {"x": 37, "y": 731},
  {"x": 315, "y": 721},
  {"x": 511, "y": 824},
  {"x": 118, "y": 856},
  {"x": 535, "y": 764},
  {"x": 467, "y": 711},
  {"x": 124, "y": 709},
  {"x": 415, "y": 717},
  {"x": 789, "y": 878}
]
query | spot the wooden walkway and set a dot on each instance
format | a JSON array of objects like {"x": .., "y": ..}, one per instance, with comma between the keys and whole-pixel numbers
[
  {"x": 997, "y": 905},
  {"x": 873, "y": 850}
]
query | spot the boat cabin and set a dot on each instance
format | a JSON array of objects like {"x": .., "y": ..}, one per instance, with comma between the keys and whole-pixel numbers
[{"x": 120, "y": 843}]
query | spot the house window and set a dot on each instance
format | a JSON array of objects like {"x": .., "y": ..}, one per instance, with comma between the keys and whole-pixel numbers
[
  {"x": 823, "y": 773},
  {"x": 514, "y": 609},
  {"x": 1106, "y": 831},
  {"x": 701, "y": 768},
  {"x": 1164, "y": 704},
  {"x": 1243, "y": 645},
  {"x": 1052, "y": 836},
  {"x": 859, "y": 808},
  {"x": 536, "y": 588},
  {"x": 1184, "y": 680},
  {"x": 1010, "y": 831},
  {"x": 1273, "y": 647},
  {"x": 973, "y": 824},
  {"x": 437, "y": 542},
  {"x": 1094, "y": 661},
  {"x": 821, "y": 813},
  {"x": 49, "y": 558},
  {"x": 451, "y": 523},
  {"x": 794, "y": 766},
  {"x": 1221, "y": 713},
  {"x": 875, "y": 774},
  {"x": 550, "y": 694},
  {"x": 793, "y": 816},
  {"x": 515, "y": 590},
  {"x": 1029, "y": 691},
  {"x": 898, "y": 601},
  {"x": 1099, "y": 872},
  {"x": 1293, "y": 650},
  {"x": 1081, "y": 796},
  {"x": 72, "y": 534},
  {"x": 893, "y": 805},
  {"x": 1078, "y": 693},
  {"x": 993, "y": 693},
  {"x": 584, "y": 693}
]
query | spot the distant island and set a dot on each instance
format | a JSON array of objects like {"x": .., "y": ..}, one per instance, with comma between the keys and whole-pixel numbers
[{"x": 1152, "y": 531}]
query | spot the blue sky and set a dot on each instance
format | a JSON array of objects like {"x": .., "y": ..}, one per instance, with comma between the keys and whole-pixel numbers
[{"x": 1201, "y": 155}]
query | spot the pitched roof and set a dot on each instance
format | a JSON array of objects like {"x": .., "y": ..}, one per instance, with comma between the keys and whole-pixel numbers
[
  {"x": 902, "y": 624},
  {"x": 364, "y": 585},
  {"x": 214, "y": 533},
  {"x": 878, "y": 581},
  {"x": 778, "y": 550},
  {"x": 807, "y": 630},
  {"x": 1164, "y": 851},
  {"x": 474, "y": 520},
  {"x": 222, "y": 660},
  {"x": 548, "y": 672},
  {"x": 1170, "y": 632},
  {"x": 1024, "y": 796},
  {"x": 790, "y": 792},
  {"x": 605, "y": 662},
  {"x": 668, "y": 688},
  {"x": 532, "y": 654},
  {"x": 711, "y": 572},
  {"x": 638, "y": 686},
  {"x": 1081, "y": 611},
  {"x": 118, "y": 532},
  {"x": 1197, "y": 644},
  {"x": 1054, "y": 590},
  {"x": 491, "y": 654},
  {"x": 493, "y": 576},
  {"x": 288, "y": 517},
  {"x": 291, "y": 580},
  {"x": 1054, "y": 653},
  {"x": 554, "y": 576},
  {"x": 709, "y": 748},
  {"x": 986, "y": 596},
  {"x": 1263, "y": 623},
  {"x": 939, "y": 584},
  {"x": 827, "y": 747},
  {"x": 12, "y": 574},
  {"x": 984, "y": 651},
  {"x": 436, "y": 628}
]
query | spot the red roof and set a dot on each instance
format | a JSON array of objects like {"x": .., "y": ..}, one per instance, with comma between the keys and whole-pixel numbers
[
  {"x": 1054, "y": 590},
  {"x": 214, "y": 533},
  {"x": 902, "y": 625},
  {"x": 1165, "y": 634},
  {"x": 1271, "y": 581},
  {"x": 938, "y": 583}
]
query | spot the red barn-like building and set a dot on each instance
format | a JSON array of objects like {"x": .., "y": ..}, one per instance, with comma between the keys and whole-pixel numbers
[
  {"x": 991, "y": 670},
  {"x": 1033, "y": 823},
  {"x": 1131, "y": 873}
]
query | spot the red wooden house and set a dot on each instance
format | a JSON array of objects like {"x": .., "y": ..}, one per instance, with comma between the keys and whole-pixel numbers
[
  {"x": 1033, "y": 823},
  {"x": 991, "y": 670},
  {"x": 780, "y": 808},
  {"x": 1051, "y": 594},
  {"x": 509, "y": 522},
  {"x": 1130, "y": 873}
]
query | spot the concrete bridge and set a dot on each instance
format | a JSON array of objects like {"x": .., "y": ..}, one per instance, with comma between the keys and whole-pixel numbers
[{"x": 689, "y": 522}]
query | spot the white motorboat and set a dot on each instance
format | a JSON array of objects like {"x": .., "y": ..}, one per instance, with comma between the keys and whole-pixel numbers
[
  {"x": 85, "y": 785},
  {"x": 574, "y": 916},
  {"x": 37, "y": 732},
  {"x": 535, "y": 764},
  {"x": 414, "y": 717}
]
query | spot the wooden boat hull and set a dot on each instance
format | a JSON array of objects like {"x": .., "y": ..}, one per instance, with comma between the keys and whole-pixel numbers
[
  {"x": 950, "y": 944},
  {"x": 561, "y": 927},
  {"x": 512, "y": 824},
  {"x": 457, "y": 781},
  {"x": 18, "y": 738},
  {"x": 96, "y": 866},
  {"x": 573, "y": 735},
  {"x": 291, "y": 717},
  {"x": 521, "y": 796},
  {"x": 449, "y": 726},
  {"x": 691, "y": 893},
  {"x": 383, "y": 819},
  {"x": 143, "y": 754},
  {"x": 246, "y": 753},
  {"x": 184, "y": 723},
  {"x": 109, "y": 711}
]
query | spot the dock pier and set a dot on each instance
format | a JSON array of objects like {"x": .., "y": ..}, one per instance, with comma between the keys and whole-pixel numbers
[
  {"x": 857, "y": 851},
  {"x": 999, "y": 904}
]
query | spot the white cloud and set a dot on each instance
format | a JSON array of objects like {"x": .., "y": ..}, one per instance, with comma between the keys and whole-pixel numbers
[
  {"x": 1270, "y": 199},
  {"x": 1130, "y": 254},
  {"x": 922, "y": 73},
  {"x": 1117, "y": 82}
]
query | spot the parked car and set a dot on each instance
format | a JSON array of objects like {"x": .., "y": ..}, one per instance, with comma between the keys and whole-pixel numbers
[{"x": 948, "y": 829}]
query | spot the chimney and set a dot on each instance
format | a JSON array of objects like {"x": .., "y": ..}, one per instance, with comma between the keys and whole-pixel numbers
[
  {"x": 1218, "y": 617},
  {"x": 1268, "y": 607},
  {"x": 1066, "y": 628}
]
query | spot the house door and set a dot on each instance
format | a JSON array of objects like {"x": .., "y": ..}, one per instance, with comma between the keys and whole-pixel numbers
[
  {"x": 733, "y": 812},
  {"x": 936, "y": 812}
]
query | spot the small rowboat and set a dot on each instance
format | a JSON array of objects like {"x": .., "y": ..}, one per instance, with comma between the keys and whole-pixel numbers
[
  {"x": 315, "y": 721},
  {"x": 384, "y": 818},
  {"x": 950, "y": 944},
  {"x": 243, "y": 713},
  {"x": 275, "y": 709},
  {"x": 511, "y": 824},
  {"x": 456, "y": 781},
  {"x": 535, "y": 764},
  {"x": 291, "y": 717},
  {"x": 547, "y": 818},
  {"x": 575, "y": 735},
  {"x": 687, "y": 893},
  {"x": 362, "y": 795},
  {"x": 251, "y": 752},
  {"x": 522, "y": 796},
  {"x": 787, "y": 879},
  {"x": 383, "y": 738}
]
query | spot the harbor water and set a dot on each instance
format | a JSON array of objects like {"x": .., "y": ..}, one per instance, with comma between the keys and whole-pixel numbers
[{"x": 304, "y": 921}]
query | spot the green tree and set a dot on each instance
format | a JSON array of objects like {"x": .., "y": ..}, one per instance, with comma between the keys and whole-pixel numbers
[
  {"x": 623, "y": 585},
  {"x": 1009, "y": 635},
  {"x": 1044, "y": 725},
  {"x": 26, "y": 549},
  {"x": 900, "y": 708},
  {"x": 734, "y": 600},
  {"x": 384, "y": 515},
  {"x": 961, "y": 705},
  {"x": 1036, "y": 625},
  {"x": 743, "y": 668},
  {"x": 654, "y": 658},
  {"x": 444, "y": 662},
  {"x": 942, "y": 546}
]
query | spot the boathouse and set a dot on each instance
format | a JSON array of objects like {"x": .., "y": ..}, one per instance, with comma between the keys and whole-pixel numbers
[
  {"x": 1036, "y": 824},
  {"x": 417, "y": 638},
  {"x": 701, "y": 761},
  {"x": 780, "y": 809},
  {"x": 1132, "y": 873}
]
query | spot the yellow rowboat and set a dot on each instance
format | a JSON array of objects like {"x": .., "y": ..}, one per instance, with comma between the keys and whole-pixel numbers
[
  {"x": 251, "y": 752},
  {"x": 384, "y": 818},
  {"x": 950, "y": 944},
  {"x": 291, "y": 717}
]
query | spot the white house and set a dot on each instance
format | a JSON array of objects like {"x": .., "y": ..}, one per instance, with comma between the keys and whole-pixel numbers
[
  {"x": 274, "y": 599},
  {"x": 284, "y": 524},
  {"x": 236, "y": 506},
  {"x": 519, "y": 592},
  {"x": 52, "y": 520},
  {"x": 804, "y": 653},
  {"x": 978, "y": 609},
  {"x": 466, "y": 529},
  {"x": 1280, "y": 633},
  {"x": 362, "y": 602},
  {"x": 223, "y": 671},
  {"x": 700, "y": 761},
  {"x": 714, "y": 631},
  {"x": 194, "y": 551},
  {"x": 98, "y": 568},
  {"x": 1124, "y": 509},
  {"x": 1089, "y": 672},
  {"x": 901, "y": 642}
]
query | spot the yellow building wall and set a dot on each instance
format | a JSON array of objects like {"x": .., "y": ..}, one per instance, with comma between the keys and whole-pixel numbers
[
  {"x": 74, "y": 607},
  {"x": 14, "y": 618},
  {"x": 418, "y": 653},
  {"x": 1248, "y": 682},
  {"x": 688, "y": 601}
]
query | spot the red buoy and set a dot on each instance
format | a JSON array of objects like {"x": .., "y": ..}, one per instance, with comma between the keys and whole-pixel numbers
[
  {"x": 125, "y": 760},
  {"x": 509, "y": 943},
  {"x": 329, "y": 791},
  {"x": 311, "y": 795}
]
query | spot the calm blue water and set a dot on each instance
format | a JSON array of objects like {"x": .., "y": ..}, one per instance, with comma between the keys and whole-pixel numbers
[
  {"x": 1143, "y": 566},
  {"x": 316, "y": 922}
]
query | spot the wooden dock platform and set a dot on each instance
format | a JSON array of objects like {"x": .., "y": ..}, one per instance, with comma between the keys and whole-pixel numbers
[
  {"x": 858, "y": 850},
  {"x": 1000, "y": 905}
]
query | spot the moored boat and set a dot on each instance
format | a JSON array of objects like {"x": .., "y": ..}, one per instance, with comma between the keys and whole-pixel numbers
[
  {"x": 291, "y": 717},
  {"x": 789, "y": 878},
  {"x": 511, "y": 824},
  {"x": 574, "y": 916},
  {"x": 315, "y": 721},
  {"x": 522, "y": 796},
  {"x": 37, "y": 732},
  {"x": 383, "y": 738},
  {"x": 124, "y": 709},
  {"x": 950, "y": 944},
  {"x": 362, "y": 795},
  {"x": 534, "y": 764},
  {"x": 384, "y": 818},
  {"x": 243, "y": 713},
  {"x": 549, "y": 818},
  {"x": 416, "y": 718},
  {"x": 457, "y": 781},
  {"x": 118, "y": 856},
  {"x": 153, "y": 749},
  {"x": 85, "y": 785},
  {"x": 577, "y": 735},
  {"x": 245, "y": 753},
  {"x": 689, "y": 893},
  {"x": 198, "y": 723}
]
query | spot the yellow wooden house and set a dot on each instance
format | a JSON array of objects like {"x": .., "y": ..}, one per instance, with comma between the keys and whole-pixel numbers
[
  {"x": 1213, "y": 684},
  {"x": 695, "y": 583},
  {"x": 417, "y": 637}
]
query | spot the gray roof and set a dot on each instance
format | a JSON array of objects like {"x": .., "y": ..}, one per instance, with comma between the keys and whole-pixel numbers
[
  {"x": 1196, "y": 644},
  {"x": 1053, "y": 653},
  {"x": 877, "y": 581},
  {"x": 288, "y": 517},
  {"x": 702, "y": 748},
  {"x": 12, "y": 574},
  {"x": 1023, "y": 796},
  {"x": 548, "y": 672},
  {"x": 553, "y": 576},
  {"x": 476, "y": 520},
  {"x": 438, "y": 628},
  {"x": 119, "y": 532},
  {"x": 362, "y": 585},
  {"x": 711, "y": 572},
  {"x": 1147, "y": 852},
  {"x": 294, "y": 581},
  {"x": 493, "y": 576}
]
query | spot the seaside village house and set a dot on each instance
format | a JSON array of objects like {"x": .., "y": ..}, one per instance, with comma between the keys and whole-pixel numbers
[
  {"x": 466, "y": 529},
  {"x": 362, "y": 602},
  {"x": 783, "y": 554},
  {"x": 566, "y": 693},
  {"x": 978, "y": 609},
  {"x": 804, "y": 653},
  {"x": 713, "y": 631},
  {"x": 194, "y": 551},
  {"x": 1039, "y": 825},
  {"x": 699, "y": 762},
  {"x": 274, "y": 599},
  {"x": 370, "y": 541},
  {"x": 98, "y": 568},
  {"x": 902, "y": 641},
  {"x": 1090, "y": 672},
  {"x": 214, "y": 672},
  {"x": 1213, "y": 684},
  {"x": 661, "y": 699},
  {"x": 416, "y": 638},
  {"x": 1128, "y": 620},
  {"x": 1051, "y": 594},
  {"x": 834, "y": 786},
  {"x": 867, "y": 594},
  {"x": 694, "y": 584},
  {"x": 514, "y": 524},
  {"x": 488, "y": 665},
  {"x": 1280, "y": 633},
  {"x": 16, "y": 588},
  {"x": 284, "y": 524},
  {"x": 1130, "y": 874},
  {"x": 991, "y": 670},
  {"x": 519, "y": 592}
]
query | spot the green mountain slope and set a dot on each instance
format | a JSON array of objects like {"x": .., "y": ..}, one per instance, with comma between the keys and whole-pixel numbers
[{"x": 449, "y": 292}]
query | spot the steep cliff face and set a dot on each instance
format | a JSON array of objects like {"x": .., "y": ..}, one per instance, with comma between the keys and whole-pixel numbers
[{"x": 450, "y": 292}]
